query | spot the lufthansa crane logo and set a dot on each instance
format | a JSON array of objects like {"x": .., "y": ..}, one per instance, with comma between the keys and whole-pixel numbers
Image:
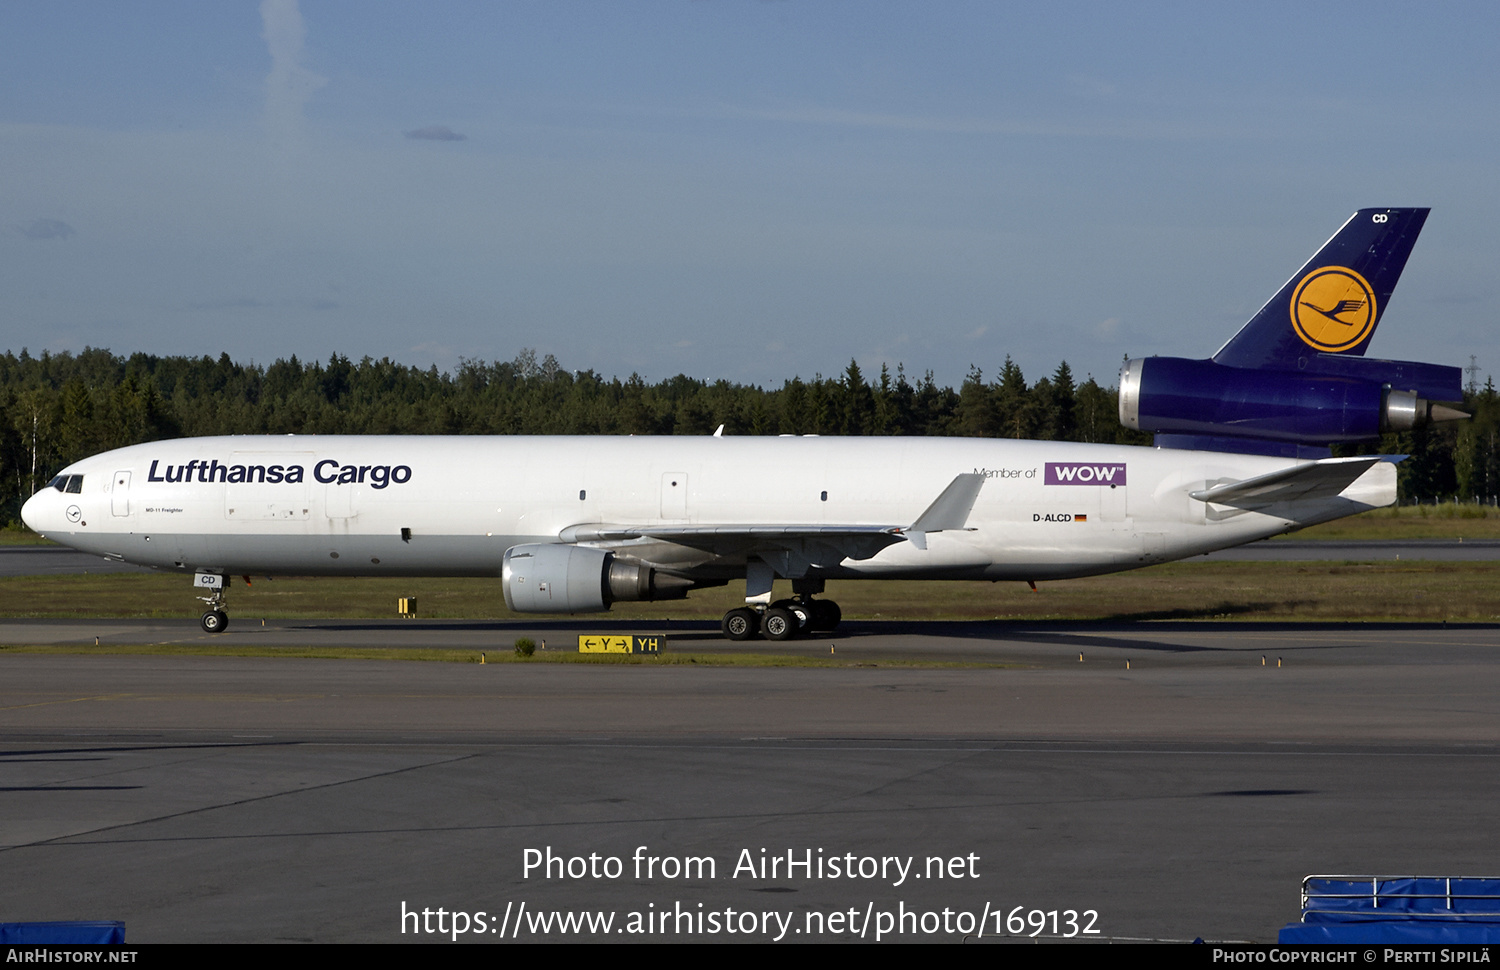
[{"x": 1333, "y": 309}]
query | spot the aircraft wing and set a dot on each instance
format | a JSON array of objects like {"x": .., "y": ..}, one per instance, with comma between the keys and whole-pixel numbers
[
  {"x": 816, "y": 543},
  {"x": 1315, "y": 480},
  {"x": 829, "y": 543}
]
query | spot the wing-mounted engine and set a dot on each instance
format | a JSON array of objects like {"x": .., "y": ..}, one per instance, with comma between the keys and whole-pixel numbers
[{"x": 559, "y": 578}]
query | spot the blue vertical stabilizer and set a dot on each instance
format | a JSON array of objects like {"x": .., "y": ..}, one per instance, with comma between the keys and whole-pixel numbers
[{"x": 1333, "y": 304}]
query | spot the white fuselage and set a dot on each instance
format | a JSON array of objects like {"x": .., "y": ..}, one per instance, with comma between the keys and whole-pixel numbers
[{"x": 451, "y": 506}]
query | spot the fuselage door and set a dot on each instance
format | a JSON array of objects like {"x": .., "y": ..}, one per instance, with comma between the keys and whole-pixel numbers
[
  {"x": 338, "y": 501},
  {"x": 119, "y": 494},
  {"x": 1113, "y": 504}
]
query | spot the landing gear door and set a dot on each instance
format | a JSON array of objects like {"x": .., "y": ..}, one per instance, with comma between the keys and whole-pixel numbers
[{"x": 119, "y": 494}]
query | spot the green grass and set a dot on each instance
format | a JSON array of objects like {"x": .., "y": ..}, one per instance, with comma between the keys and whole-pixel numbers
[
  {"x": 1303, "y": 591},
  {"x": 1450, "y": 520},
  {"x": 1404, "y": 590},
  {"x": 16, "y": 534}
]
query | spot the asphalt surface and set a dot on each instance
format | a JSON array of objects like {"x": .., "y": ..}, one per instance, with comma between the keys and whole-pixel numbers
[
  {"x": 1159, "y": 780},
  {"x": 226, "y": 799}
]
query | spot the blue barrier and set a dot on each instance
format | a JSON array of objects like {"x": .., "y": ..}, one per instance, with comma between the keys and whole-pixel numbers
[
  {"x": 91, "y": 932},
  {"x": 1397, "y": 909}
]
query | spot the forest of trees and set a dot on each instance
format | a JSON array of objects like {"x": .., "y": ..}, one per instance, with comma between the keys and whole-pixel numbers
[{"x": 58, "y": 408}]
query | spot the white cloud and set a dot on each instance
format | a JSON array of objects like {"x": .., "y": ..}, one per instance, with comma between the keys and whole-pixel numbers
[
  {"x": 41, "y": 229},
  {"x": 289, "y": 84},
  {"x": 435, "y": 133}
]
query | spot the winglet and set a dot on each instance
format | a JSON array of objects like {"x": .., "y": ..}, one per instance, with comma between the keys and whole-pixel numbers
[{"x": 950, "y": 511}]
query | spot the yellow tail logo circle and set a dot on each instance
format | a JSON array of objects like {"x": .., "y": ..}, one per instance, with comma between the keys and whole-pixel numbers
[{"x": 1333, "y": 309}]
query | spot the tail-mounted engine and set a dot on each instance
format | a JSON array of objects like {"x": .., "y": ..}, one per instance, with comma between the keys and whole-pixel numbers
[
  {"x": 1330, "y": 399},
  {"x": 558, "y": 578}
]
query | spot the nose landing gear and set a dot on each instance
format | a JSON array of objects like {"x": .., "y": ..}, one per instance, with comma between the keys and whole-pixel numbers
[{"x": 215, "y": 620}]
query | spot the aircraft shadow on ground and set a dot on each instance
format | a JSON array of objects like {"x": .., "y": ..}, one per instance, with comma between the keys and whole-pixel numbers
[{"x": 1132, "y": 631}]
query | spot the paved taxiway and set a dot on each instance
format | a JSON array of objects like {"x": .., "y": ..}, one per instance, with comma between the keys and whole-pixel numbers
[{"x": 204, "y": 798}]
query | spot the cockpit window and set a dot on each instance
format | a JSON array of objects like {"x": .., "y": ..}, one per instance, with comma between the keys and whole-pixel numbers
[{"x": 67, "y": 483}]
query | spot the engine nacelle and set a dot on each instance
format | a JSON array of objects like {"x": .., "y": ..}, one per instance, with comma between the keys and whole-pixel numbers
[
  {"x": 1173, "y": 395},
  {"x": 560, "y": 578}
]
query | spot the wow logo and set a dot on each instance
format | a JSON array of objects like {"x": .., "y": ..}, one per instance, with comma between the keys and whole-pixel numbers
[{"x": 1084, "y": 473}]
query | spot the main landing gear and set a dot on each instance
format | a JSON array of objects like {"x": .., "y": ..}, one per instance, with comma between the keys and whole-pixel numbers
[
  {"x": 784, "y": 618},
  {"x": 215, "y": 620}
]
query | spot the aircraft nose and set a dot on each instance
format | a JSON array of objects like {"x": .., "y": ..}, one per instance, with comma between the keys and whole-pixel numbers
[{"x": 33, "y": 512}]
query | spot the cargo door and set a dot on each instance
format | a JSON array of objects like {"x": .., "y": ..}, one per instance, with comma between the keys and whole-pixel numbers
[
  {"x": 266, "y": 486},
  {"x": 119, "y": 494}
]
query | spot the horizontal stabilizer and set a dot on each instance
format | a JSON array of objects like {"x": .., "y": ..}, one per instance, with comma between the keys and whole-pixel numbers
[{"x": 1320, "y": 479}]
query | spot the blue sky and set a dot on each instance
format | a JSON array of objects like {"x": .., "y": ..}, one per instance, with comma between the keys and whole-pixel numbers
[{"x": 740, "y": 190}]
